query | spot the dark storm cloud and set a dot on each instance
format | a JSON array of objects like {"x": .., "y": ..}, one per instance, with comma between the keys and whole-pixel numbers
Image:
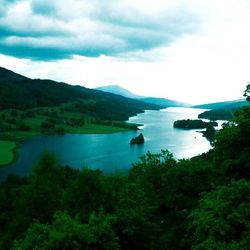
[
  {"x": 20, "y": 51},
  {"x": 48, "y": 30}
]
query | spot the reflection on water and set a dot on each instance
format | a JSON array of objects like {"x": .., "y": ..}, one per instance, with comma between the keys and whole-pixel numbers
[{"x": 112, "y": 152}]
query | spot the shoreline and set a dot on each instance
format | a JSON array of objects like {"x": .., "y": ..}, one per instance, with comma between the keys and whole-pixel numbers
[
  {"x": 13, "y": 151},
  {"x": 97, "y": 129}
]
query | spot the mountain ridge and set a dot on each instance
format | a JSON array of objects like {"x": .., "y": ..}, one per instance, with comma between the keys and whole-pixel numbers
[
  {"x": 20, "y": 92},
  {"x": 163, "y": 102},
  {"x": 118, "y": 90},
  {"x": 6, "y": 73}
]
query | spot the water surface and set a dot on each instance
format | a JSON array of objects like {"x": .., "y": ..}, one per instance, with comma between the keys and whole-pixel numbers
[{"x": 112, "y": 152}]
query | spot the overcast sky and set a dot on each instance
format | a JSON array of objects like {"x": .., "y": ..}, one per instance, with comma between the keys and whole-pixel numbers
[{"x": 196, "y": 51}]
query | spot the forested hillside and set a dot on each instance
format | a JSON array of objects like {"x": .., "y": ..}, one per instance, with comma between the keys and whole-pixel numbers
[
  {"x": 199, "y": 203},
  {"x": 221, "y": 110},
  {"x": 223, "y": 105},
  {"x": 19, "y": 92},
  {"x": 218, "y": 114}
]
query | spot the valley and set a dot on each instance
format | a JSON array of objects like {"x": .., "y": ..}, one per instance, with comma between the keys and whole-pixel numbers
[
  {"x": 43, "y": 107},
  {"x": 124, "y": 125}
]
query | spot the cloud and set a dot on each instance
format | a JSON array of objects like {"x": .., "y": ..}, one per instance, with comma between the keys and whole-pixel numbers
[
  {"x": 195, "y": 51},
  {"x": 48, "y": 30},
  {"x": 46, "y": 8}
]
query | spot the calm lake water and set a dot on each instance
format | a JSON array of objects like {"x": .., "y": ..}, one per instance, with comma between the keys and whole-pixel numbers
[{"x": 112, "y": 152}]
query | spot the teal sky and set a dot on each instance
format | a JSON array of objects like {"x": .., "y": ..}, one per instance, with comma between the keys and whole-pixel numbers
[{"x": 195, "y": 51}]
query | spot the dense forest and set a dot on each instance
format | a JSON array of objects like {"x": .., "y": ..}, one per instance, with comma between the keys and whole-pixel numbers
[{"x": 199, "y": 203}]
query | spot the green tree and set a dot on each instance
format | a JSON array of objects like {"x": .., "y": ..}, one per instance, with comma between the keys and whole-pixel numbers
[
  {"x": 42, "y": 197},
  {"x": 247, "y": 92},
  {"x": 67, "y": 233},
  {"x": 222, "y": 219},
  {"x": 134, "y": 211},
  {"x": 209, "y": 133},
  {"x": 232, "y": 146},
  {"x": 14, "y": 113},
  {"x": 87, "y": 193},
  {"x": 11, "y": 226},
  {"x": 152, "y": 168},
  {"x": 45, "y": 187}
]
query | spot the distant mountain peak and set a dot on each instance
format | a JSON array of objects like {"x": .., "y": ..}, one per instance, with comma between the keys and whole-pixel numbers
[
  {"x": 162, "y": 102},
  {"x": 118, "y": 90},
  {"x": 20, "y": 92}
]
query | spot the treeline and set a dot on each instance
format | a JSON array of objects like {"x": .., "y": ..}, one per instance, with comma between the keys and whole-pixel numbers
[
  {"x": 209, "y": 133},
  {"x": 193, "y": 124},
  {"x": 199, "y": 203},
  {"x": 218, "y": 114}
]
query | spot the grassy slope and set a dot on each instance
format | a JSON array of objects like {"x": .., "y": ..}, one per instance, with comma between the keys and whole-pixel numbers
[
  {"x": 7, "y": 148},
  {"x": 35, "y": 126},
  {"x": 7, "y": 154},
  {"x": 9, "y": 139}
]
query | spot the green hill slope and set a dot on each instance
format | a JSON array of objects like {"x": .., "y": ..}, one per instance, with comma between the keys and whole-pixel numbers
[{"x": 20, "y": 92}]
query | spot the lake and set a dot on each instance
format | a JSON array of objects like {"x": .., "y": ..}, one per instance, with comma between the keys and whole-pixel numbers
[{"x": 112, "y": 152}]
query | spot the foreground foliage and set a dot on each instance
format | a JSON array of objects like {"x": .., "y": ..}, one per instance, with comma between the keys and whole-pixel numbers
[{"x": 198, "y": 203}]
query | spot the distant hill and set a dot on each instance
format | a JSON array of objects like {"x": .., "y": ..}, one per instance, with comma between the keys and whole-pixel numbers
[
  {"x": 8, "y": 74},
  {"x": 218, "y": 114},
  {"x": 221, "y": 110},
  {"x": 20, "y": 92},
  {"x": 163, "y": 102},
  {"x": 116, "y": 89},
  {"x": 223, "y": 105}
]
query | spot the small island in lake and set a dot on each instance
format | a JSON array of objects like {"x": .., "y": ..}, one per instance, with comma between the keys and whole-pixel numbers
[
  {"x": 209, "y": 133},
  {"x": 137, "y": 140},
  {"x": 193, "y": 124}
]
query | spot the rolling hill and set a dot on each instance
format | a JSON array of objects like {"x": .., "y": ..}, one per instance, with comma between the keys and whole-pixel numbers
[{"x": 20, "y": 92}]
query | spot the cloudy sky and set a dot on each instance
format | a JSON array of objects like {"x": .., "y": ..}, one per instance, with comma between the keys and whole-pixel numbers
[{"x": 196, "y": 51}]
